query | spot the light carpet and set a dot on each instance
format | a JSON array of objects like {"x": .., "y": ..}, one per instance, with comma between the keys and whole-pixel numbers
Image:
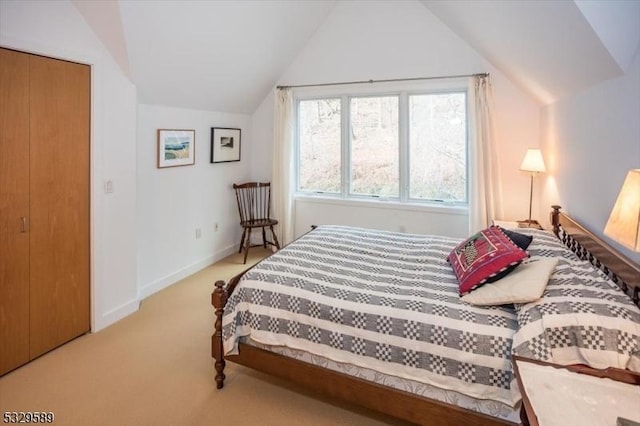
[{"x": 155, "y": 368}]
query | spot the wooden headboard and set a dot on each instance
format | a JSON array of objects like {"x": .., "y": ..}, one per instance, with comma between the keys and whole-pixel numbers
[{"x": 622, "y": 270}]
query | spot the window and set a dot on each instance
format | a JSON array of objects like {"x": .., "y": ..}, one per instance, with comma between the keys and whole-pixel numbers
[
  {"x": 438, "y": 147},
  {"x": 374, "y": 146},
  {"x": 406, "y": 145},
  {"x": 319, "y": 145}
]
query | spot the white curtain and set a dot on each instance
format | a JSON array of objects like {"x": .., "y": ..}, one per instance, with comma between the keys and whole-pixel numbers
[
  {"x": 283, "y": 172},
  {"x": 485, "y": 192}
]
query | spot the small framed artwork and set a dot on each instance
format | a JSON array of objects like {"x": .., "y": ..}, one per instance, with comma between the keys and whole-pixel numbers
[
  {"x": 225, "y": 145},
  {"x": 176, "y": 147}
]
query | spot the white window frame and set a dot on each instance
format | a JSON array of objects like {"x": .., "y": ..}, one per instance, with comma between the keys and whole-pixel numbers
[{"x": 402, "y": 90}]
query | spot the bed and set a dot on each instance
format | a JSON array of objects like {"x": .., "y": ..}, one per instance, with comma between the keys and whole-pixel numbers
[{"x": 385, "y": 327}]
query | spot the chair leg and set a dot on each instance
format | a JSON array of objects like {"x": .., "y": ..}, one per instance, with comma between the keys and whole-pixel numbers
[
  {"x": 275, "y": 239},
  {"x": 247, "y": 245},
  {"x": 264, "y": 238},
  {"x": 244, "y": 232}
]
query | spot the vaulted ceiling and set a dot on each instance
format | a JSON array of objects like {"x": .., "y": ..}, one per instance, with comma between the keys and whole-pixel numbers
[
  {"x": 227, "y": 55},
  {"x": 550, "y": 48}
]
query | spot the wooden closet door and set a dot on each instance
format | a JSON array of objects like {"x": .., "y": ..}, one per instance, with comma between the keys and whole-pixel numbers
[
  {"x": 59, "y": 188},
  {"x": 14, "y": 205}
]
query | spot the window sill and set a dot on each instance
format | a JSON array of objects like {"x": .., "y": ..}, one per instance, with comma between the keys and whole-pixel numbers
[{"x": 385, "y": 204}]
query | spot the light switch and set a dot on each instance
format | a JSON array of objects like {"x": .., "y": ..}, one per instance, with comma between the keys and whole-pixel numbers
[{"x": 108, "y": 186}]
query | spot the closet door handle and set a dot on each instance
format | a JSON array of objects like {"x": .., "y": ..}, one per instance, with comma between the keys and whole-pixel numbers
[{"x": 24, "y": 226}]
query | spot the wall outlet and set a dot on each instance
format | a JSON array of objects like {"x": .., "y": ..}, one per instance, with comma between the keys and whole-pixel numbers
[
  {"x": 198, "y": 233},
  {"x": 215, "y": 227}
]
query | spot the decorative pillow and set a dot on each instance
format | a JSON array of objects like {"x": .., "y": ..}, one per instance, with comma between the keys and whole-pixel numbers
[
  {"x": 521, "y": 240},
  {"x": 525, "y": 284},
  {"x": 482, "y": 257}
]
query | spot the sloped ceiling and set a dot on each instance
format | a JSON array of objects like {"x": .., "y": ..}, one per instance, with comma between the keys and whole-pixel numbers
[
  {"x": 104, "y": 18},
  {"x": 226, "y": 55},
  {"x": 617, "y": 23},
  {"x": 215, "y": 55},
  {"x": 549, "y": 48}
]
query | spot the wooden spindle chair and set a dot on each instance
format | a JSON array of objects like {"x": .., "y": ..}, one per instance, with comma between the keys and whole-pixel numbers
[{"x": 254, "y": 205}]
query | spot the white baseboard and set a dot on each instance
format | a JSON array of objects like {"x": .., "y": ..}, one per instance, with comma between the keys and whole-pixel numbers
[
  {"x": 115, "y": 315},
  {"x": 157, "y": 285}
]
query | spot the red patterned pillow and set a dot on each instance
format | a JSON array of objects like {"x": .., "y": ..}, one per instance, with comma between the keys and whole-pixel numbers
[{"x": 483, "y": 256}]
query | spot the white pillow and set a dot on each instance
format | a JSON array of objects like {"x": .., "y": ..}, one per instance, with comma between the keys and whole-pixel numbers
[{"x": 525, "y": 284}]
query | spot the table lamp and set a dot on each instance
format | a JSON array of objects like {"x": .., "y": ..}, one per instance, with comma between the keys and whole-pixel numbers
[
  {"x": 624, "y": 222},
  {"x": 532, "y": 163}
]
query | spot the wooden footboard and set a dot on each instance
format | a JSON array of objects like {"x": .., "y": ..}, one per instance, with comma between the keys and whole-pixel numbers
[
  {"x": 390, "y": 401},
  {"x": 219, "y": 299}
]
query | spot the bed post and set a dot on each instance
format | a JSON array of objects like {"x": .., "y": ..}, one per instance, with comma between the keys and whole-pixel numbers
[
  {"x": 218, "y": 300},
  {"x": 555, "y": 219}
]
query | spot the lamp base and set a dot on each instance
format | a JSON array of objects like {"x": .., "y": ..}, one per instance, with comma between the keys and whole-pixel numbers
[{"x": 533, "y": 224}]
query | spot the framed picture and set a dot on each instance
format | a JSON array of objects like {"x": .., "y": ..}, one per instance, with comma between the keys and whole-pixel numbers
[
  {"x": 176, "y": 147},
  {"x": 225, "y": 145}
]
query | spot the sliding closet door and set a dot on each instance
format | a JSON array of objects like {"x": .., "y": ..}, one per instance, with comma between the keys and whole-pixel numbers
[
  {"x": 59, "y": 190},
  {"x": 14, "y": 205}
]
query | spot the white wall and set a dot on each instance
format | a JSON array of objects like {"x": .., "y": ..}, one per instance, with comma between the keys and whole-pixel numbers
[
  {"x": 173, "y": 202},
  {"x": 399, "y": 39},
  {"x": 444, "y": 221},
  {"x": 56, "y": 29},
  {"x": 591, "y": 141}
]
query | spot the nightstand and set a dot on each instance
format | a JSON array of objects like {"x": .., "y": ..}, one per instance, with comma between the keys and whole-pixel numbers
[
  {"x": 533, "y": 224},
  {"x": 576, "y": 395},
  {"x": 506, "y": 224}
]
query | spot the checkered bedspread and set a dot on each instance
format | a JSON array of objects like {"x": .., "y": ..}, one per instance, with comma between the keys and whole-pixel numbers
[
  {"x": 381, "y": 300},
  {"x": 582, "y": 317}
]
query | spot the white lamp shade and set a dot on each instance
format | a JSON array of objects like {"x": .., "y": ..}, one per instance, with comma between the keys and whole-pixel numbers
[
  {"x": 624, "y": 222},
  {"x": 533, "y": 162}
]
